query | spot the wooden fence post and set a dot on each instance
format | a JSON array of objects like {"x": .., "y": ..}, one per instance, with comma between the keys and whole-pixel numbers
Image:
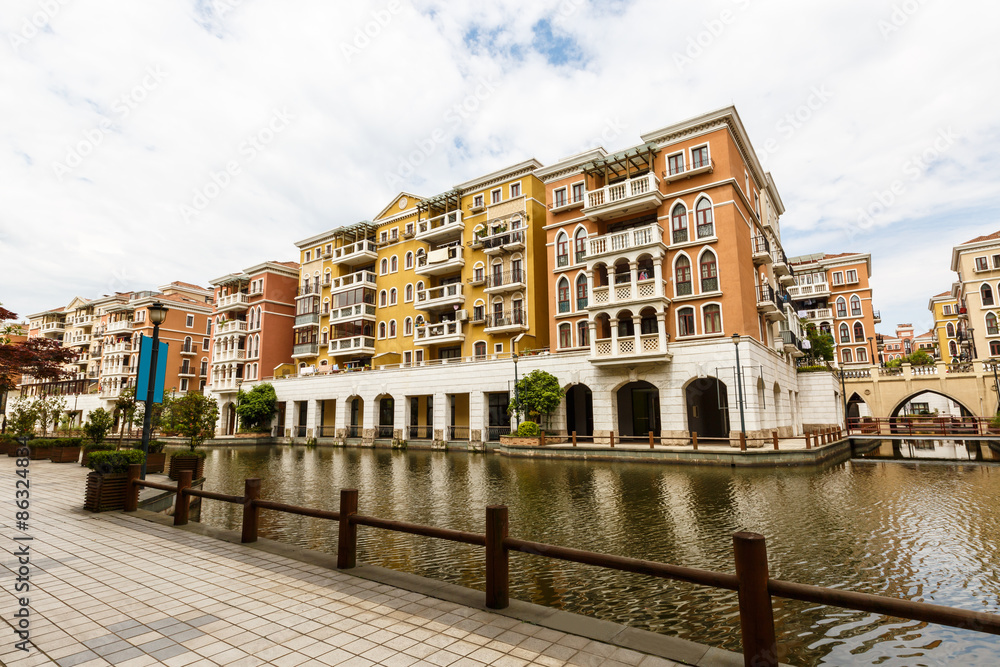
[
  {"x": 612, "y": 438},
  {"x": 541, "y": 438},
  {"x": 131, "y": 488},
  {"x": 182, "y": 504},
  {"x": 497, "y": 563},
  {"x": 650, "y": 439},
  {"x": 808, "y": 440},
  {"x": 574, "y": 438},
  {"x": 756, "y": 615},
  {"x": 774, "y": 436},
  {"x": 347, "y": 535},
  {"x": 743, "y": 441},
  {"x": 694, "y": 440},
  {"x": 251, "y": 513}
]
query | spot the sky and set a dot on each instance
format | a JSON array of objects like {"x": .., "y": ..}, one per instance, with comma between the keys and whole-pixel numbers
[{"x": 147, "y": 142}]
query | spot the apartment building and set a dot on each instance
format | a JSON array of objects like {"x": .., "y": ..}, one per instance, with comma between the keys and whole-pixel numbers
[
  {"x": 944, "y": 309},
  {"x": 977, "y": 264},
  {"x": 833, "y": 292},
  {"x": 254, "y": 317}
]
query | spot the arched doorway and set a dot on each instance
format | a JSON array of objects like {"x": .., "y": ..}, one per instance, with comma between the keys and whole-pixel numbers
[
  {"x": 356, "y": 418},
  {"x": 707, "y": 407},
  {"x": 638, "y": 409},
  {"x": 580, "y": 410},
  {"x": 386, "y": 416},
  {"x": 231, "y": 419}
]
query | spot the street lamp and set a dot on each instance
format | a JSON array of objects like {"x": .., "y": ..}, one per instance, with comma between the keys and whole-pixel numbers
[
  {"x": 157, "y": 315},
  {"x": 236, "y": 426},
  {"x": 739, "y": 383},
  {"x": 517, "y": 405}
]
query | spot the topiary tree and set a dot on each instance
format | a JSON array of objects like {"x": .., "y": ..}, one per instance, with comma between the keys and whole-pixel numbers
[
  {"x": 99, "y": 422},
  {"x": 193, "y": 416},
  {"x": 538, "y": 394},
  {"x": 257, "y": 407}
]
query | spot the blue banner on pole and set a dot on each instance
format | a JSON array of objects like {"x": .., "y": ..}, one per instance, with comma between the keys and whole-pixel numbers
[{"x": 142, "y": 377}]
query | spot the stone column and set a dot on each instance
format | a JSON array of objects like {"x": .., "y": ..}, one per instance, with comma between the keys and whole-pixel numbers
[
  {"x": 370, "y": 421},
  {"x": 312, "y": 408},
  {"x": 440, "y": 420},
  {"x": 661, "y": 329},
  {"x": 592, "y": 327},
  {"x": 398, "y": 419},
  {"x": 637, "y": 333},
  {"x": 633, "y": 273},
  {"x": 290, "y": 414},
  {"x": 614, "y": 336},
  {"x": 658, "y": 276},
  {"x": 477, "y": 419},
  {"x": 611, "y": 284}
]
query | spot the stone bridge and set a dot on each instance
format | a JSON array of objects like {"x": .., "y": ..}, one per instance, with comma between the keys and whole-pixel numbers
[{"x": 972, "y": 384}]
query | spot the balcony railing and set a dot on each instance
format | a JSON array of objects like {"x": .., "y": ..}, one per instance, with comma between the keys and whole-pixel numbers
[
  {"x": 120, "y": 325},
  {"x": 443, "y": 295},
  {"x": 232, "y": 301},
  {"x": 628, "y": 348},
  {"x": 361, "y": 252},
  {"x": 687, "y": 171},
  {"x": 440, "y": 261},
  {"x": 305, "y": 349},
  {"x": 820, "y": 314},
  {"x": 628, "y": 239},
  {"x": 307, "y": 319},
  {"x": 186, "y": 370},
  {"x": 117, "y": 347},
  {"x": 232, "y": 326},
  {"x": 443, "y": 332},
  {"x": 352, "y": 280},
  {"x": 189, "y": 348},
  {"x": 444, "y": 225},
  {"x": 357, "y": 311},
  {"x": 809, "y": 291},
  {"x": 506, "y": 279},
  {"x": 53, "y": 327},
  {"x": 506, "y": 240},
  {"x": 761, "y": 250},
  {"x": 634, "y": 194},
  {"x": 353, "y": 345},
  {"x": 311, "y": 288},
  {"x": 229, "y": 355},
  {"x": 515, "y": 319}
]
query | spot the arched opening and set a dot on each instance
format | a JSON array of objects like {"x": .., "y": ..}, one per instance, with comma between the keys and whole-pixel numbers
[
  {"x": 231, "y": 419},
  {"x": 638, "y": 409},
  {"x": 580, "y": 410},
  {"x": 857, "y": 411},
  {"x": 707, "y": 407},
  {"x": 929, "y": 403},
  {"x": 386, "y": 416},
  {"x": 600, "y": 275},
  {"x": 623, "y": 274},
  {"x": 356, "y": 422}
]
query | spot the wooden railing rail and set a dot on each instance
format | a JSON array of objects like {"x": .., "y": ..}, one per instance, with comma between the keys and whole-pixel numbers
[{"x": 752, "y": 583}]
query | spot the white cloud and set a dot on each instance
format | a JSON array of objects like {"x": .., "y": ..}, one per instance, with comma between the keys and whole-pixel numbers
[{"x": 373, "y": 88}]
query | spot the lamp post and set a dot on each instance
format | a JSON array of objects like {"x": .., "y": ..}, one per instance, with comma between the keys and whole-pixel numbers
[
  {"x": 739, "y": 383},
  {"x": 157, "y": 314},
  {"x": 517, "y": 404},
  {"x": 236, "y": 426}
]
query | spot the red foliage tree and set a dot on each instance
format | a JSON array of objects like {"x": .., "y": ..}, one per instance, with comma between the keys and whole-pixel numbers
[{"x": 41, "y": 358}]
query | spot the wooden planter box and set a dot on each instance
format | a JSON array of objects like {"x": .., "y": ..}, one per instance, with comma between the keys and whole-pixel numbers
[
  {"x": 41, "y": 453},
  {"x": 8, "y": 448},
  {"x": 64, "y": 454},
  {"x": 155, "y": 463},
  {"x": 179, "y": 462},
  {"x": 105, "y": 492}
]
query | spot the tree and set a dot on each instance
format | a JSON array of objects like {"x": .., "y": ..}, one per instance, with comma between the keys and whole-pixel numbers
[
  {"x": 538, "y": 394},
  {"x": 47, "y": 409},
  {"x": 194, "y": 416},
  {"x": 257, "y": 407},
  {"x": 129, "y": 410},
  {"x": 41, "y": 358},
  {"x": 99, "y": 422},
  {"x": 820, "y": 343},
  {"x": 920, "y": 358},
  {"x": 22, "y": 417}
]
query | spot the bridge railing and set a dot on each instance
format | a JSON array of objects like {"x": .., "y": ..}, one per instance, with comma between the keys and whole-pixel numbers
[
  {"x": 918, "y": 425},
  {"x": 751, "y": 580}
]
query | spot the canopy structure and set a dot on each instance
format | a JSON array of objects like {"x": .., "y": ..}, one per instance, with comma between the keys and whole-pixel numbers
[
  {"x": 626, "y": 163},
  {"x": 442, "y": 203}
]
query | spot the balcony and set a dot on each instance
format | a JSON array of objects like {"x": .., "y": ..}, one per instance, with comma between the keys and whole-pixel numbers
[
  {"x": 632, "y": 195},
  {"x": 238, "y": 301},
  {"x": 96, "y": 352},
  {"x": 780, "y": 265},
  {"x": 80, "y": 321},
  {"x": 444, "y": 297},
  {"x": 761, "y": 251},
  {"x": 680, "y": 174},
  {"x": 805, "y": 292},
  {"x": 119, "y": 326},
  {"x": 621, "y": 293},
  {"x": 437, "y": 334},
  {"x": 352, "y": 281},
  {"x": 767, "y": 303},
  {"x": 441, "y": 261},
  {"x": 229, "y": 355},
  {"x": 505, "y": 241},
  {"x": 362, "y": 252},
  {"x": 820, "y": 314},
  {"x": 186, "y": 371},
  {"x": 877, "y": 316},
  {"x": 232, "y": 326},
  {"x": 118, "y": 370},
  {"x": 625, "y": 240},
  {"x": 117, "y": 347},
  {"x": 306, "y": 320},
  {"x": 189, "y": 348},
  {"x": 309, "y": 289},
  {"x": 513, "y": 321},
  {"x": 629, "y": 350},
  {"x": 353, "y": 346},
  {"x": 506, "y": 281},
  {"x": 445, "y": 227},
  {"x": 359, "y": 311},
  {"x": 53, "y": 327},
  {"x": 83, "y": 339},
  {"x": 791, "y": 343},
  {"x": 305, "y": 350}
]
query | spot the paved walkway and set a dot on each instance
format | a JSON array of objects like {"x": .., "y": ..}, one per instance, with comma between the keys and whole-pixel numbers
[{"x": 114, "y": 589}]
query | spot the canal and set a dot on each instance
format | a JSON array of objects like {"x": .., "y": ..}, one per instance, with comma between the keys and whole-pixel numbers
[{"x": 915, "y": 530}]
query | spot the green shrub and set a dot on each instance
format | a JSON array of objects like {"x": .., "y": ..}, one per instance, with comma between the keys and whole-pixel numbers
[
  {"x": 102, "y": 447},
  {"x": 528, "y": 429},
  {"x": 188, "y": 454},
  {"x": 41, "y": 443},
  {"x": 155, "y": 446},
  {"x": 108, "y": 462},
  {"x": 811, "y": 369}
]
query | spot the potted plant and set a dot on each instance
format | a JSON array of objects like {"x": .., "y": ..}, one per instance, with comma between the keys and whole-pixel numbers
[
  {"x": 40, "y": 448},
  {"x": 106, "y": 485},
  {"x": 156, "y": 460},
  {"x": 65, "y": 450},
  {"x": 193, "y": 416},
  {"x": 92, "y": 447},
  {"x": 8, "y": 443}
]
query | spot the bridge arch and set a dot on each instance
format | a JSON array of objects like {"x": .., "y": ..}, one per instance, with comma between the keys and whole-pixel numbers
[{"x": 966, "y": 412}]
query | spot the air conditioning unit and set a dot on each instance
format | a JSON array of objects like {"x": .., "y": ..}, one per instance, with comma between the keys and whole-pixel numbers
[{"x": 461, "y": 315}]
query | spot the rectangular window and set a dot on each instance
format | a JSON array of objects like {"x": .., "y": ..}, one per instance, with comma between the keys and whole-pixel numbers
[
  {"x": 981, "y": 264},
  {"x": 699, "y": 157},
  {"x": 713, "y": 319},
  {"x": 407, "y": 358},
  {"x": 478, "y": 313},
  {"x": 384, "y": 236},
  {"x": 184, "y": 384},
  {"x": 515, "y": 190},
  {"x": 947, "y": 310},
  {"x": 394, "y": 234},
  {"x": 477, "y": 201},
  {"x": 308, "y": 255},
  {"x": 685, "y": 322},
  {"x": 498, "y": 348},
  {"x": 577, "y": 192},
  {"x": 495, "y": 196},
  {"x": 559, "y": 197},
  {"x": 190, "y": 321},
  {"x": 583, "y": 334},
  {"x": 204, "y": 344},
  {"x": 996, "y": 261},
  {"x": 838, "y": 277},
  {"x": 409, "y": 229},
  {"x": 329, "y": 248},
  {"x": 852, "y": 276},
  {"x": 565, "y": 336},
  {"x": 676, "y": 164}
]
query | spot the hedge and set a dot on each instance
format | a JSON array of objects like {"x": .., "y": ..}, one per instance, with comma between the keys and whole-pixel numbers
[
  {"x": 114, "y": 461},
  {"x": 46, "y": 443}
]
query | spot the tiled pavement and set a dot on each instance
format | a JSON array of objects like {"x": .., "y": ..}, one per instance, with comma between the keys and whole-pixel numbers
[{"x": 113, "y": 589}]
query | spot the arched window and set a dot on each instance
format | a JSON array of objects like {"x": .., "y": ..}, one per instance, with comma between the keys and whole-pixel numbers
[
  {"x": 582, "y": 333},
  {"x": 408, "y": 293},
  {"x": 987, "y": 293},
  {"x": 991, "y": 324},
  {"x": 682, "y": 276},
  {"x": 479, "y": 349},
  {"x": 384, "y": 266},
  {"x": 950, "y": 330},
  {"x": 679, "y": 223},
  {"x": 713, "y": 318},
  {"x": 855, "y": 308},
  {"x": 685, "y": 322},
  {"x": 562, "y": 250},
  {"x": 381, "y": 329},
  {"x": 841, "y": 307},
  {"x": 846, "y": 355},
  {"x": 562, "y": 295},
  {"x": 381, "y": 299},
  {"x": 420, "y": 286},
  {"x": 862, "y": 354},
  {"x": 953, "y": 348},
  {"x": 393, "y": 295},
  {"x": 394, "y": 264},
  {"x": 581, "y": 292},
  {"x": 859, "y": 332},
  {"x": 703, "y": 218},
  {"x": 408, "y": 260},
  {"x": 565, "y": 335},
  {"x": 408, "y": 327},
  {"x": 845, "y": 333},
  {"x": 392, "y": 328},
  {"x": 580, "y": 246},
  {"x": 709, "y": 272},
  {"x": 995, "y": 348}
]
